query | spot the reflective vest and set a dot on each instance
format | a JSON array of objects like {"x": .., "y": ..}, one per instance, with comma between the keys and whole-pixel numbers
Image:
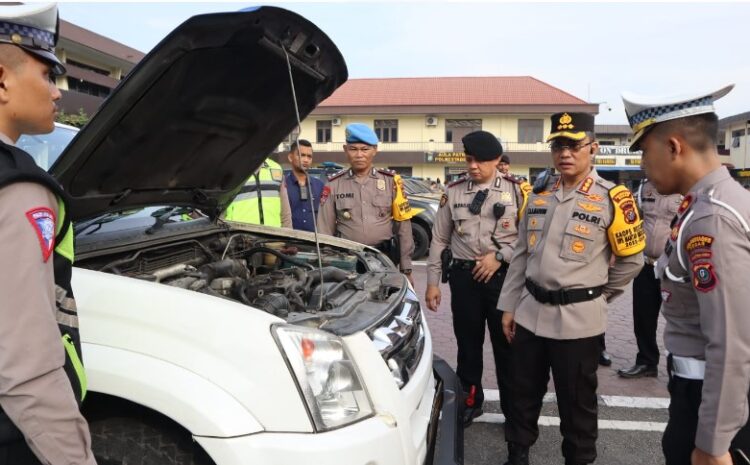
[
  {"x": 18, "y": 166},
  {"x": 250, "y": 207}
]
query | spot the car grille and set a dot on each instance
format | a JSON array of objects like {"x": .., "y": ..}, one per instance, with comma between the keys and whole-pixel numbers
[{"x": 400, "y": 340}]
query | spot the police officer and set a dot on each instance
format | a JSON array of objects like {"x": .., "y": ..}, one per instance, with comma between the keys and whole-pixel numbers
[
  {"x": 703, "y": 273},
  {"x": 477, "y": 221},
  {"x": 41, "y": 378},
  {"x": 559, "y": 282},
  {"x": 296, "y": 212},
  {"x": 657, "y": 211},
  {"x": 504, "y": 164},
  {"x": 366, "y": 204}
]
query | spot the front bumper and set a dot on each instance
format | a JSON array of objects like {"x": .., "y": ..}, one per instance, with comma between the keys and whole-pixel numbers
[
  {"x": 445, "y": 438},
  {"x": 373, "y": 441}
]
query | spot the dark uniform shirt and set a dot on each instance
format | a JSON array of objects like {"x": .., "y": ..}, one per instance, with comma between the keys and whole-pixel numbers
[{"x": 296, "y": 212}]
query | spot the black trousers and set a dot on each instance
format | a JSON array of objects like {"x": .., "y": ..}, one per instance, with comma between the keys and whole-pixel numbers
[
  {"x": 573, "y": 363},
  {"x": 473, "y": 305},
  {"x": 679, "y": 436},
  {"x": 646, "y": 305},
  {"x": 17, "y": 453}
]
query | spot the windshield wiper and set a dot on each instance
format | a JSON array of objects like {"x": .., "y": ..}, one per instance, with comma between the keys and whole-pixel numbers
[
  {"x": 163, "y": 215},
  {"x": 78, "y": 228}
]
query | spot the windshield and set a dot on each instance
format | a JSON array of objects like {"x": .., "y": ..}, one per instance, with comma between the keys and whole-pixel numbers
[
  {"x": 46, "y": 148},
  {"x": 415, "y": 187}
]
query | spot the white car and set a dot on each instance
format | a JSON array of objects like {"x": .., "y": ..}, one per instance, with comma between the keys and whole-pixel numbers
[{"x": 213, "y": 342}]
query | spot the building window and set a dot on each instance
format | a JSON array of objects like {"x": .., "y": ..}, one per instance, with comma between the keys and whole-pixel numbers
[
  {"x": 85, "y": 87},
  {"x": 456, "y": 129},
  {"x": 402, "y": 170},
  {"x": 78, "y": 64},
  {"x": 606, "y": 142},
  {"x": 323, "y": 131},
  {"x": 530, "y": 131},
  {"x": 386, "y": 130}
]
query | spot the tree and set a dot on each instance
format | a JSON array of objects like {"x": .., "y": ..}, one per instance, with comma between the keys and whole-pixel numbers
[{"x": 78, "y": 120}]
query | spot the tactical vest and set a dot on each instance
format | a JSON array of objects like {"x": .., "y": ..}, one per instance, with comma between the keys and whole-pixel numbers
[{"x": 17, "y": 166}]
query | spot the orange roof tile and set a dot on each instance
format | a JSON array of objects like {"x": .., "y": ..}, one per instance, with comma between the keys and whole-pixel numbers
[{"x": 492, "y": 90}]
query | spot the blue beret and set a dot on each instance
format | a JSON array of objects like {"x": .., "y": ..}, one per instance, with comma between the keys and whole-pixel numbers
[{"x": 359, "y": 132}]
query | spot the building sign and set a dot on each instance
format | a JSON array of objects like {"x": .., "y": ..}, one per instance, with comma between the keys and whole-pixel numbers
[
  {"x": 633, "y": 161},
  {"x": 605, "y": 161},
  {"x": 616, "y": 150},
  {"x": 449, "y": 157}
]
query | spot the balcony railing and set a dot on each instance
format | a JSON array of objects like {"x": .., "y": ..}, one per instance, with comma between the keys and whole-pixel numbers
[{"x": 435, "y": 147}]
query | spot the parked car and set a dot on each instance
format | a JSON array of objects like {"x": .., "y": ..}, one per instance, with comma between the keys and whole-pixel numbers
[{"x": 213, "y": 342}]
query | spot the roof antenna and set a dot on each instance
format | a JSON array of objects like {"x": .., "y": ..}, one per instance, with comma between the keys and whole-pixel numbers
[{"x": 308, "y": 184}]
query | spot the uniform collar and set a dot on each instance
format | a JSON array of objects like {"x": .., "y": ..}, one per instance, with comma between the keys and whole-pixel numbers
[
  {"x": 6, "y": 140},
  {"x": 719, "y": 174},
  {"x": 373, "y": 173},
  {"x": 293, "y": 179},
  {"x": 471, "y": 184}
]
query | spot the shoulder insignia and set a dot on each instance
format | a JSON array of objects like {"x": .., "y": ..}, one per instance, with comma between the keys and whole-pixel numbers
[
  {"x": 625, "y": 232},
  {"x": 385, "y": 171},
  {"x": 685, "y": 204},
  {"x": 337, "y": 175},
  {"x": 443, "y": 200},
  {"x": 458, "y": 181},
  {"x": 605, "y": 183},
  {"x": 514, "y": 179},
  {"x": 585, "y": 186},
  {"x": 42, "y": 219}
]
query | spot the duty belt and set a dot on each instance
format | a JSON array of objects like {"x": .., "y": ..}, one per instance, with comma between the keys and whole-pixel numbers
[
  {"x": 562, "y": 296},
  {"x": 686, "y": 367},
  {"x": 459, "y": 264}
]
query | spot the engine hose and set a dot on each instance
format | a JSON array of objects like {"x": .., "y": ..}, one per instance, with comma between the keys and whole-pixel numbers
[{"x": 278, "y": 254}]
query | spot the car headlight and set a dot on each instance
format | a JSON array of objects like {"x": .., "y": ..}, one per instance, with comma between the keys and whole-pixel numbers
[{"x": 326, "y": 376}]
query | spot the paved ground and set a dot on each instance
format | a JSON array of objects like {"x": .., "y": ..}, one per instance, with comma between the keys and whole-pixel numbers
[
  {"x": 632, "y": 413},
  {"x": 620, "y": 344}
]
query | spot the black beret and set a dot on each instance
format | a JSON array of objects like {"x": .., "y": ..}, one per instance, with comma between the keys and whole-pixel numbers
[
  {"x": 482, "y": 145},
  {"x": 505, "y": 159}
]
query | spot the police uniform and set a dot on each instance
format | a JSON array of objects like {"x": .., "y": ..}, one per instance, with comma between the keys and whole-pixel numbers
[
  {"x": 657, "y": 212},
  {"x": 703, "y": 274},
  {"x": 469, "y": 235},
  {"x": 41, "y": 374},
  {"x": 558, "y": 286},
  {"x": 371, "y": 209}
]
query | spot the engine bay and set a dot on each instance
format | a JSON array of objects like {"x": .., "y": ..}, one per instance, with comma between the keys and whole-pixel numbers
[{"x": 282, "y": 278}]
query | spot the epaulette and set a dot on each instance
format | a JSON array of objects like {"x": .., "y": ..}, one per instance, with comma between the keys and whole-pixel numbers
[
  {"x": 458, "y": 181},
  {"x": 514, "y": 179},
  {"x": 337, "y": 175},
  {"x": 605, "y": 183},
  {"x": 386, "y": 171}
]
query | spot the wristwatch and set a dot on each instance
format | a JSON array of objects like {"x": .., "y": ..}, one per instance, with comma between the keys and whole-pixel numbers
[
  {"x": 499, "y": 256},
  {"x": 406, "y": 272}
]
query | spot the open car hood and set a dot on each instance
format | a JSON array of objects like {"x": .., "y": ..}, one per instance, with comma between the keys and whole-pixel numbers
[{"x": 199, "y": 114}]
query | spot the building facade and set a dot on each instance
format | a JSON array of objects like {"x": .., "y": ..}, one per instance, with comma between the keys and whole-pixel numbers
[
  {"x": 420, "y": 121},
  {"x": 95, "y": 66},
  {"x": 733, "y": 132}
]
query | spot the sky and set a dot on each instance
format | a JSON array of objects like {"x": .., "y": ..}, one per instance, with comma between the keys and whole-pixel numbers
[{"x": 592, "y": 50}]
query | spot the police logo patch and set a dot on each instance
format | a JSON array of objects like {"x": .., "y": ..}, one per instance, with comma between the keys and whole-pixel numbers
[
  {"x": 665, "y": 295},
  {"x": 42, "y": 219},
  {"x": 583, "y": 229},
  {"x": 324, "y": 195},
  {"x": 532, "y": 239},
  {"x": 533, "y": 222},
  {"x": 704, "y": 278},
  {"x": 506, "y": 198},
  {"x": 443, "y": 200},
  {"x": 539, "y": 202},
  {"x": 628, "y": 210},
  {"x": 675, "y": 232},
  {"x": 381, "y": 184},
  {"x": 578, "y": 246}
]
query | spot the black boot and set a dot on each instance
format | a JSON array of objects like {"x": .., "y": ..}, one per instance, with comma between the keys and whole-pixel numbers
[{"x": 517, "y": 454}]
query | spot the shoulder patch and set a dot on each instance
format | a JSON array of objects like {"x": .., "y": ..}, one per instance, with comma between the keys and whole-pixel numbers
[
  {"x": 685, "y": 204},
  {"x": 704, "y": 277},
  {"x": 700, "y": 241},
  {"x": 337, "y": 175},
  {"x": 42, "y": 219},
  {"x": 386, "y": 172},
  {"x": 324, "y": 194}
]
